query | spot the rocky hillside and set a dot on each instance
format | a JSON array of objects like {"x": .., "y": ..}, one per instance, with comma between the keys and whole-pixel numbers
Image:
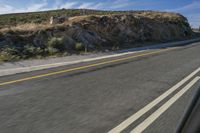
[{"x": 92, "y": 33}]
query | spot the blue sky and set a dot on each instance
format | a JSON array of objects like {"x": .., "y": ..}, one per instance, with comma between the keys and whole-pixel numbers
[{"x": 189, "y": 8}]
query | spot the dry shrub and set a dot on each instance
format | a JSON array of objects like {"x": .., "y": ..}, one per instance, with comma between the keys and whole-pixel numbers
[{"x": 26, "y": 27}]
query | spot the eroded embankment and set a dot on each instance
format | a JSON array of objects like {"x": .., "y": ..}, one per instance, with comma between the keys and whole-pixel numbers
[{"x": 92, "y": 33}]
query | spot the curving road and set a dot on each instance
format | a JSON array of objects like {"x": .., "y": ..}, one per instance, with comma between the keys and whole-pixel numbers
[{"x": 108, "y": 95}]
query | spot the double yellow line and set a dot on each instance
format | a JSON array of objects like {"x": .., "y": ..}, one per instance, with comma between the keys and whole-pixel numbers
[{"x": 82, "y": 67}]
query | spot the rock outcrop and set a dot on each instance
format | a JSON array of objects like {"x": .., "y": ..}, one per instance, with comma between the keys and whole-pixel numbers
[{"x": 100, "y": 32}]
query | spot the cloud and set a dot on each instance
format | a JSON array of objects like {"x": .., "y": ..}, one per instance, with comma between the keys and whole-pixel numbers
[
  {"x": 91, "y": 5},
  {"x": 194, "y": 19},
  {"x": 37, "y": 7},
  {"x": 98, "y": 6},
  {"x": 121, "y": 4},
  {"x": 116, "y": 4},
  {"x": 5, "y": 8},
  {"x": 192, "y": 6},
  {"x": 69, "y": 5},
  {"x": 81, "y": 5},
  {"x": 86, "y": 5}
]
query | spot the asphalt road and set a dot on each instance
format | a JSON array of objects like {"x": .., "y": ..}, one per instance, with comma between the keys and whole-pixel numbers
[{"x": 98, "y": 98}]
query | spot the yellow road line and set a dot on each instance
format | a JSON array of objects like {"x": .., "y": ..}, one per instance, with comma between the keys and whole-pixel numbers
[{"x": 82, "y": 67}]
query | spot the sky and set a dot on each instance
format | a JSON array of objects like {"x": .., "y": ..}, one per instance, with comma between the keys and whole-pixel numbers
[{"x": 189, "y": 8}]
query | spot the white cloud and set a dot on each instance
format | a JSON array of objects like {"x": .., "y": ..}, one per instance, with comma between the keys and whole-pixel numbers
[
  {"x": 194, "y": 19},
  {"x": 116, "y": 4},
  {"x": 88, "y": 5},
  {"x": 121, "y": 4},
  {"x": 91, "y": 5},
  {"x": 99, "y": 6},
  {"x": 5, "y": 8},
  {"x": 69, "y": 5},
  {"x": 192, "y": 6},
  {"x": 58, "y": 4},
  {"x": 37, "y": 7}
]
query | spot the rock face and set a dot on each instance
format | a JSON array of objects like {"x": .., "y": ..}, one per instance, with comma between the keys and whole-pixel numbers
[
  {"x": 98, "y": 32},
  {"x": 131, "y": 29}
]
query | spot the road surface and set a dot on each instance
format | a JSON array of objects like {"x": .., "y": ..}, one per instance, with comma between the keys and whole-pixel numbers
[{"x": 140, "y": 92}]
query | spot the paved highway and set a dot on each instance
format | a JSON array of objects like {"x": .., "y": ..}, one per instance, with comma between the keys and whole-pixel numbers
[{"x": 140, "y": 92}]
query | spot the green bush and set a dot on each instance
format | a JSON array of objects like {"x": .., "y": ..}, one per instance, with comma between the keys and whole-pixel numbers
[
  {"x": 32, "y": 51},
  {"x": 5, "y": 56},
  {"x": 29, "y": 50},
  {"x": 52, "y": 51},
  {"x": 12, "y": 51},
  {"x": 57, "y": 44},
  {"x": 79, "y": 46}
]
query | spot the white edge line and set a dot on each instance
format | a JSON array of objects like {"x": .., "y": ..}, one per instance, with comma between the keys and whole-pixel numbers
[
  {"x": 149, "y": 106},
  {"x": 40, "y": 67},
  {"x": 142, "y": 126}
]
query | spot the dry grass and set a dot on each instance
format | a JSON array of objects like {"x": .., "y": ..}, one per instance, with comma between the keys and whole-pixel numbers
[
  {"x": 34, "y": 27},
  {"x": 26, "y": 27},
  {"x": 159, "y": 15}
]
